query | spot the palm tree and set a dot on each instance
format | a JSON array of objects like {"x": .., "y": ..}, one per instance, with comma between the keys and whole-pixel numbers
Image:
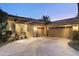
[{"x": 46, "y": 20}]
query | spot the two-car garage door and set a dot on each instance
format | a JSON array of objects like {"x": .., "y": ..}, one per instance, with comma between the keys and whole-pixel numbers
[{"x": 60, "y": 31}]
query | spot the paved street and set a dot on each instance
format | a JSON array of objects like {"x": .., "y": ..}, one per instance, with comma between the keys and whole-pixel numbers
[{"x": 39, "y": 47}]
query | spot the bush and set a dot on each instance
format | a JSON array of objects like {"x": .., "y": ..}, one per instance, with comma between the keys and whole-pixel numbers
[
  {"x": 4, "y": 36},
  {"x": 74, "y": 43},
  {"x": 75, "y": 35}
]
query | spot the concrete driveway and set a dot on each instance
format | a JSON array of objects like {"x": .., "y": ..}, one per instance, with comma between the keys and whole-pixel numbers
[{"x": 41, "y": 46}]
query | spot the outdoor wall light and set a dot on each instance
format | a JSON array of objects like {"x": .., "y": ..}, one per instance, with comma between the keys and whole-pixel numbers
[
  {"x": 75, "y": 28},
  {"x": 35, "y": 32},
  {"x": 35, "y": 28}
]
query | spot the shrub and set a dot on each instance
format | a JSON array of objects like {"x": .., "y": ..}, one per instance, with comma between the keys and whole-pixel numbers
[
  {"x": 4, "y": 36},
  {"x": 75, "y": 35}
]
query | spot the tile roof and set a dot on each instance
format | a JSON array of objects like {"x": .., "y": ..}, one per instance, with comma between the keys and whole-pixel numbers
[
  {"x": 67, "y": 21},
  {"x": 21, "y": 18}
]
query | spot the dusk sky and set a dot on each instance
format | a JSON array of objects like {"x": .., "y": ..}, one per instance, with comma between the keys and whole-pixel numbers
[{"x": 55, "y": 11}]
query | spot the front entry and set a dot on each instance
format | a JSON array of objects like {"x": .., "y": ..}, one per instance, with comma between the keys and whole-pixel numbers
[{"x": 40, "y": 31}]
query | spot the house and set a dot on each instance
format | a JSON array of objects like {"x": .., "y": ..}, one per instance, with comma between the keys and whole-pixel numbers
[
  {"x": 36, "y": 28},
  {"x": 64, "y": 28},
  {"x": 23, "y": 26}
]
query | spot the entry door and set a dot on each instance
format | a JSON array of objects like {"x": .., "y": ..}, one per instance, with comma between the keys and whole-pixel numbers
[{"x": 40, "y": 31}]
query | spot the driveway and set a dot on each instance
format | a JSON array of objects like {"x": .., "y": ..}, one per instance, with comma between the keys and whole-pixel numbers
[{"x": 41, "y": 46}]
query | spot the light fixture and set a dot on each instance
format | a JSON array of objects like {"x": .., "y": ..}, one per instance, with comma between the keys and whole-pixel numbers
[
  {"x": 35, "y": 28},
  {"x": 75, "y": 28}
]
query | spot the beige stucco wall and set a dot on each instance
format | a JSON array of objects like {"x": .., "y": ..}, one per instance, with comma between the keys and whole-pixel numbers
[
  {"x": 10, "y": 25},
  {"x": 29, "y": 32},
  {"x": 27, "y": 28},
  {"x": 20, "y": 28}
]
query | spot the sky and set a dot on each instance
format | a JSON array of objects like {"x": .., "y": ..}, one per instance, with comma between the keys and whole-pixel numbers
[{"x": 56, "y": 11}]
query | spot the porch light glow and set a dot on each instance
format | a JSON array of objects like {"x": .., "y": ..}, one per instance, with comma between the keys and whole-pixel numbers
[
  {"x": 75, "y": 28},
  {"x": 35, "y": 28}
]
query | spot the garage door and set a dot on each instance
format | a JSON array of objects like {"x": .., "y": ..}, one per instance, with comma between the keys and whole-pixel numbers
[{"x": 60, "y": 31}]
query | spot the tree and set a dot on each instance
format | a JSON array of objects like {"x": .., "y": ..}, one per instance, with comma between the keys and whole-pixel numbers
[
  {"x": 46, "y": 20},
  {"x": 78, "y": 9},
  {"x": 3, "y": 25},
  {"x": 3, "y": 19}
]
